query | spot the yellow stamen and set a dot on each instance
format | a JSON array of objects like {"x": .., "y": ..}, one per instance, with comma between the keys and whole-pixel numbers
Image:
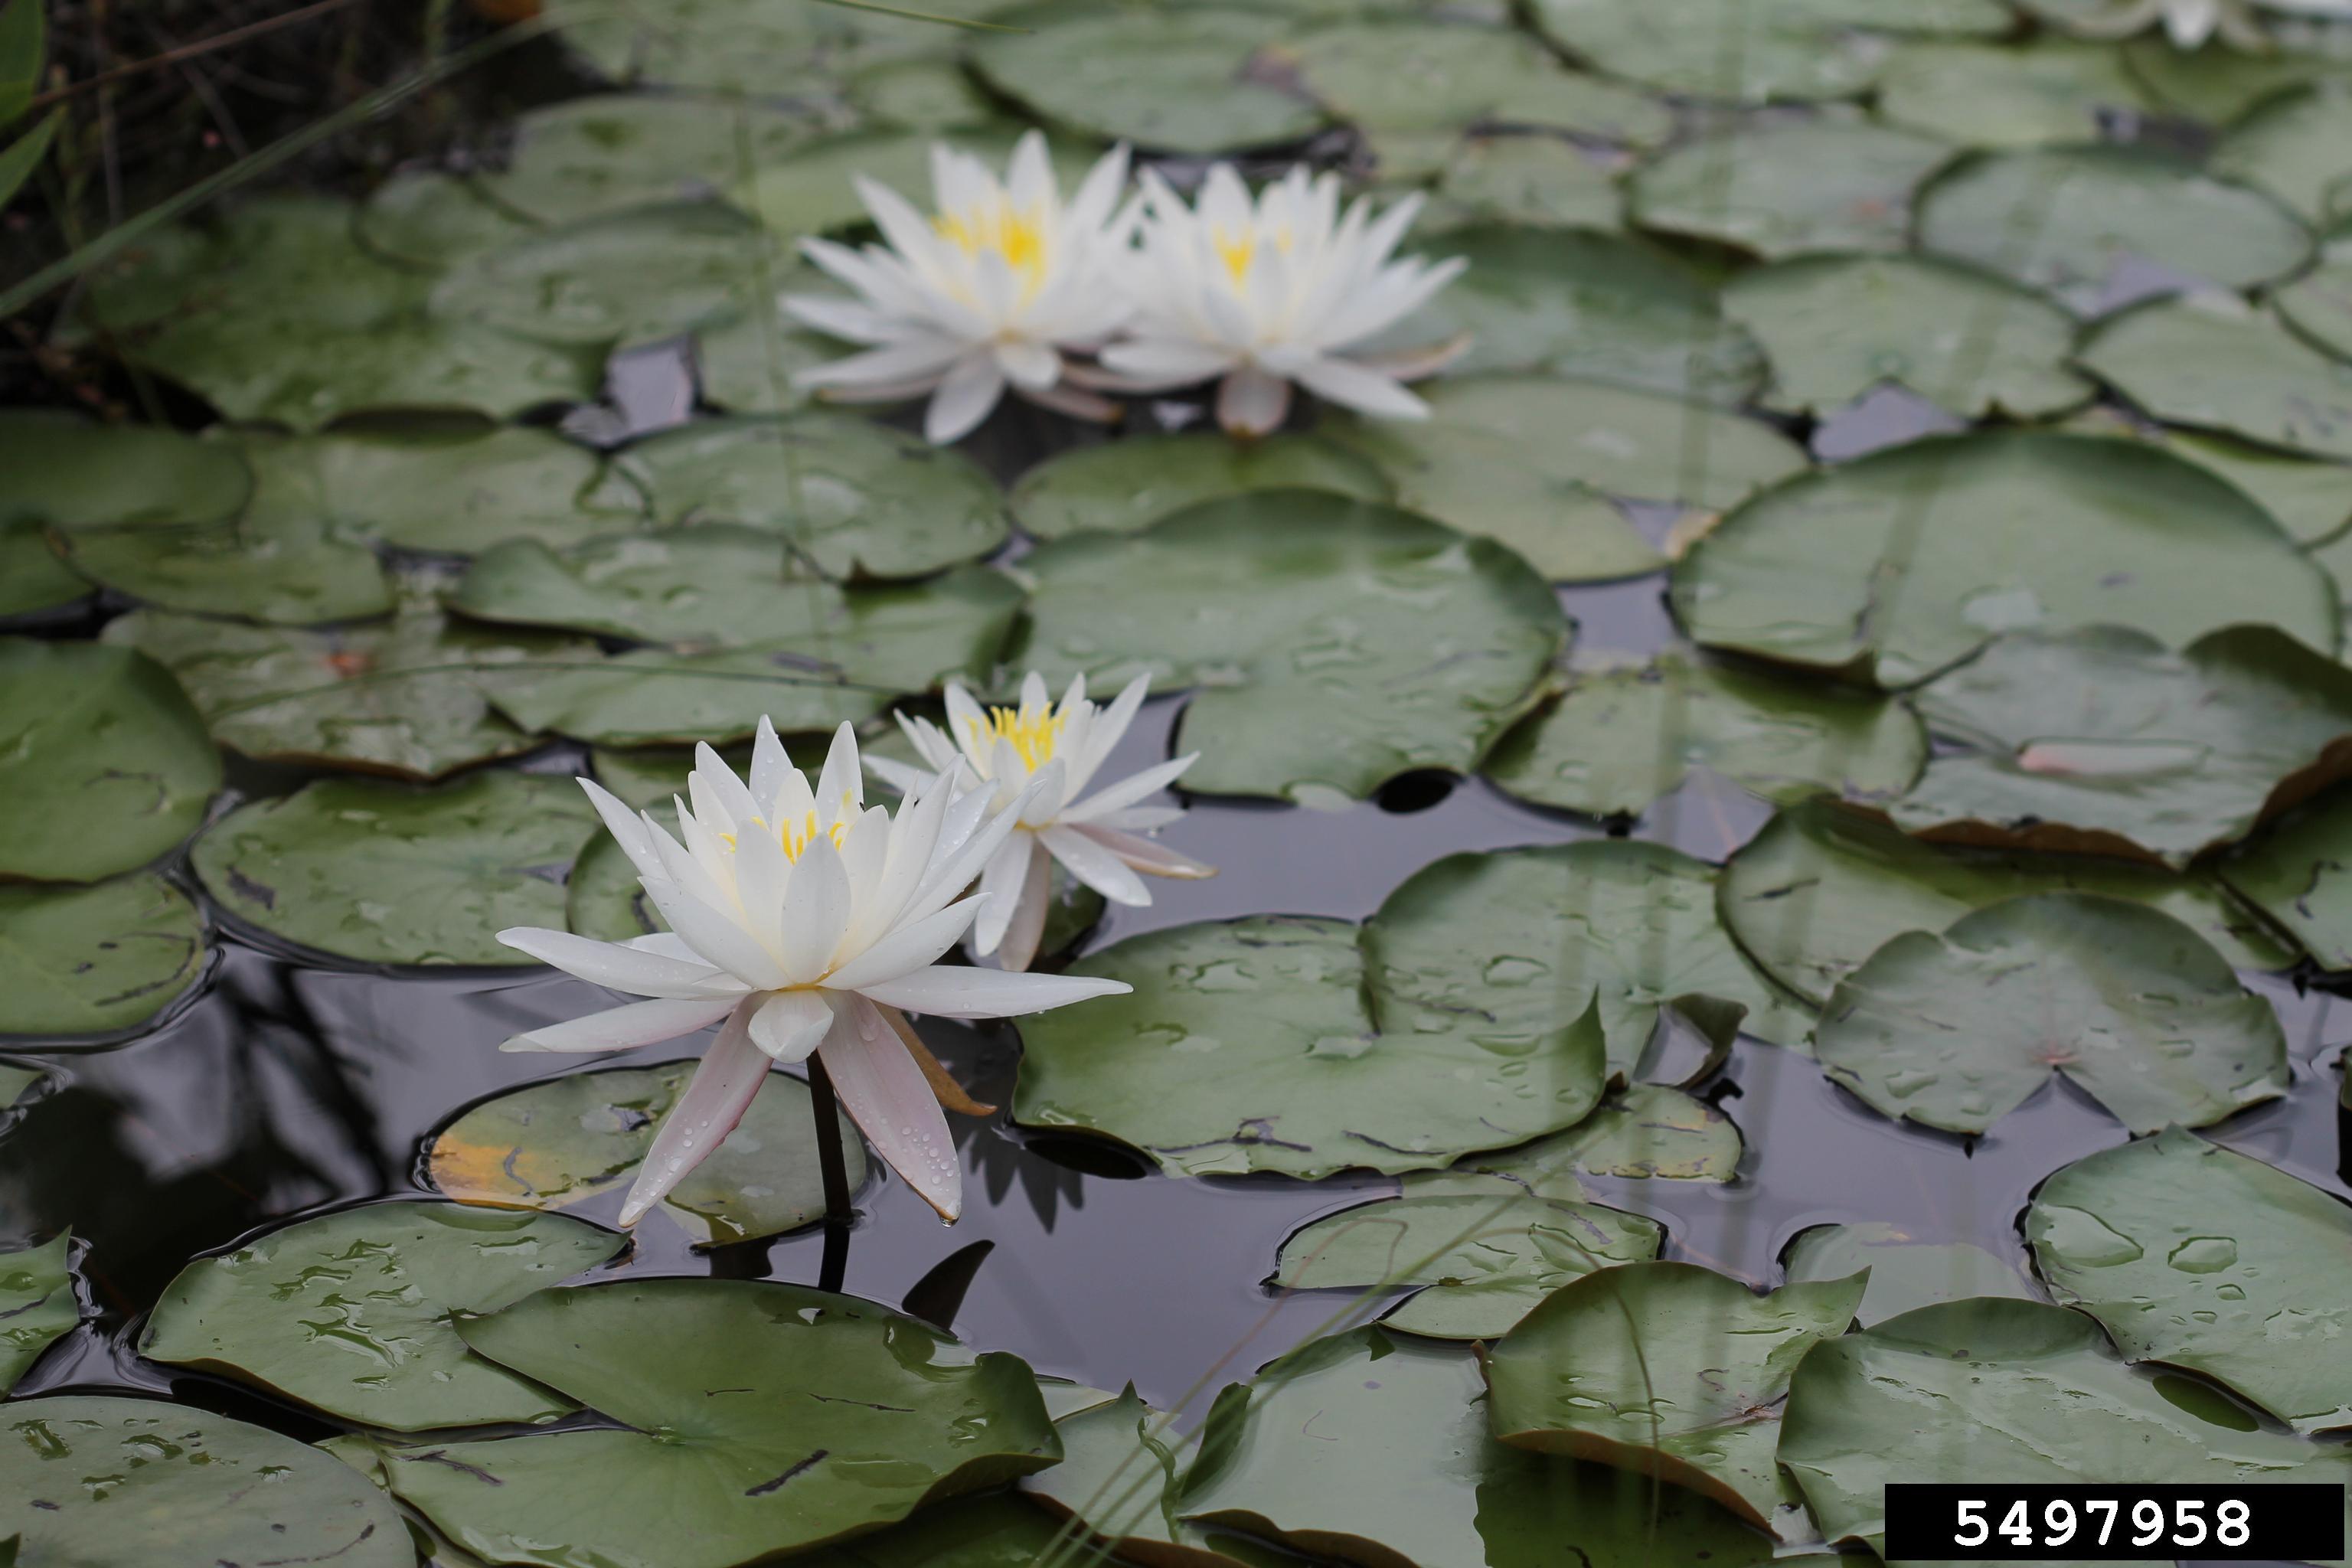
[
  {"x": 1236, "y": 254},
  {"x": 795, "y": 840},
  {"x": 1018, "y": 237},
  {"x": 1032, "y": 733}
]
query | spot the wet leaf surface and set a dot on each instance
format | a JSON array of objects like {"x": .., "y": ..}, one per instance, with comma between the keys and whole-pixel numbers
[
  {"x": 85, "y": 1479},
  {"x": 1276, "y": 606},
  {"x": 1779, "y": 49},
  {"x": 1905, "y": 1272},
  {"x": 1955, "y": 1030},
  {"x": 1915, "y": 557},
  {"x": 2218, "y": 86},
  {"x": 353, "y": 1312},
  {"x": 93, "y": 961},
  {"x": 37, "y": 1304},
  {"x": 1530, "y": 181},
  {"x": 771, "y": 1419},
  {"x": 103, "y": 761},
  {"x": 1818, "y": 890},
  {"x": 2318, "y": 305},
  {"x": 563, "y": 1142},
  {"x": 1618, "y": 739},
  {"x": 743, "y": 45},
  {"x": 1119, "y": 487},
  {"x": 65, "y": 471},
  {"x": 2310, "y": 497},
  {"x": 2294, "y": 146},
  {"x": 813, "y": 191},
  {"x": 2197, "y": 1257},
  {"x": 605, "y": 153},
  {"x": 1123, "y": 1464},
  {"x": 1667, "y": 1370},
  {"x": 2049, "y": 91},
  {"x": 2214, "y": 362},
  {"x": 1394, "y": 74},
  {"x": 2033, "y": 1395},
  {"x": 387, "y": 873},
  {"x": 1779, "y": 189},
  {"x": 2294, "y": 872}
]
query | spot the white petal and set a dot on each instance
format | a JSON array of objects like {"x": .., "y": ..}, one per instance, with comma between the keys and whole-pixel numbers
[
  {"x": 1129, "y": 790},
  {"x": 918, "y": 360},
  {"x": 841, "y": 787},
  {"x": 1096, "y": 866},
  {"x": 1252, "y": 403},
  {"x": 789, "y": 1024},
  {"x": 965, "y": 395},
  {"x": 719, "y": 940},
  {"x": 710, "y": 1108},
  {"x": 1367, "y": 391},
  {"x": 910, "y": 947},
  {"x": 1001, "y": 881},
  {"x": 1027, "y": 927},
  {"x": 1153, "y": 859},
  {"x": 626, "y": 1028},
  {"x": 892, "y": 1103},
  {"x": 816, "y": 911},
  {"x": 946, "y": 991},
  {"x": 627, "y": 831},
  {"x": 621, "y": 968},
  {"x": 899, "y": 775},
  {"x": 769, "y": 766}
]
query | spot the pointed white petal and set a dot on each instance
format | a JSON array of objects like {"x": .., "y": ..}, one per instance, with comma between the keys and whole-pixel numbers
[
  {"x": 910, "y": 947},
  {"x": 1152, "y": 858},
  {"x": 965, "y": 395},
  {"x": 1129, "y": 790},
  {"x": 621, "y": 968},
  {"x": 1018, "y": 950},
  {"x": 626, "y": 1028},
  {"x": 1096, "y": 866},
  {"x": 946, "y": 991},
  {"x": 1001, "y": 881},
  {"x": 816, "y": 912}
]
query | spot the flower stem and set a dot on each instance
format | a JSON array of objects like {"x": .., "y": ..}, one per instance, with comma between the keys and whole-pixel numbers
[{"x": 828, "y": 1144}]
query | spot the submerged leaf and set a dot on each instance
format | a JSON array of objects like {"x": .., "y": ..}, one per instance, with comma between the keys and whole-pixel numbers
[
  {"x": 37, "y": 1304},
  {"x": 1905, "y": 1272}
]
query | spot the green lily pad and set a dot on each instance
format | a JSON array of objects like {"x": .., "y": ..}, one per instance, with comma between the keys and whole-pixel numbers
[
  {"x": 605, "y": 153},
  {"x": 1374, "y": 1447},
  {"x": 1955, "y": 1029},
  {"x": 1598, "y": 307},
  {"x": 2294, "y": 146},
  {"x": 1916, "y": 556},
  {"x": 919, "y": 94},
  {"x": 1529, "y": 180},
  {"x": 1779, "y": 189},
  {"x": 1484, "y": 1258},
  {"x": 748, "y": 46},
  {"x": 1618, "y": 739},
  {"x": 2218, "y": 86},
  {"x": 428, "y": 219},
  {"x": 2197, "y": 1257},
  {"x": 38, "y": 1305},
  {"x": 1905, "y": 1272},
  {"x": 828, "y": 656},
  {"x": 1816, "y": 891},
  {"x": 18, "y": 1082},
  {"x": 2318, "y": 305},
  {"x": 1836, "y": 326},
  {"x": 2216, "y": 363},
  {"x": 2293, "y": 872},
  {"x": 2103, "y": 740},
  {"x": 409, "y": 698},
  {"x": 560, "y": 1142},
  {"x": 854, "y": 497},
  {"x": 2310, "y": 497},
  {"x": 1527, "y": 461},
  {"x": 1121, "y": 486},
  {"x": 273, "y": 565},
  {"x": 2027, "y": 1392},
  {"x": 1643, "y": 1131},
  {"x": 65, "y": 471},
  {"x": 1268, "y": 605},
  {"x": 746, "y": 365},
  {"x": 387, "y": 873},
  {"x": 1396, "y": 74},
  {"x": 2064, "y": 219},
  {"x": 103, "y": 761},
  {"x": 757, "y": 1419},
  {"x": 604, "y": 899},
  {"x": 1668, "y": 1370},
  {"x": 32, "y": 578},
  {"x": 353, "y": 1312},
  {"x": 96, "y": 960},
  {"x": 278, "y": 314},
  {"x": 1194, "y": 80},
  {"x": 1752, "y": 50},
  {"x": 87, "y": 1478},
  {"x": 2051, "y": 90},
  {"x": 629, "y": 277},
  {"x": 1123, "y": 1464},
  {"x": 813, "y": 191}
]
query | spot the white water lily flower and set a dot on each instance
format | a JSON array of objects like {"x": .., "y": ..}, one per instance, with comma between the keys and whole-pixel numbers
[
  {"x": 1273, "y": 293},
  {"x": 992, "y": 291},
  {"x": 2190, "y": 23},
  {"x": 1036, "y": 761},
  {"x": 805, "y": 921}
]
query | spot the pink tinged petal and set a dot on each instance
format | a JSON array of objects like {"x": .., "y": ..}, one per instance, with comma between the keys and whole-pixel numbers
[
  {"x": 712, "y": 1105},
  {"x": 816, "y": 912},
  {"x": 789, "y": 1024},
  {"x": 1252, "y": 403},
  {"x": 1002, "y": 883},
  {"x": 892, "y": 1103},
  {"x": 769, "y": 766},
  {"x": 951, "y": 991},
  {"x": 621, "y": 968},
  {"x": 1129, "y": 790},
  {"x": 912, "y": 946},
  {"x": 1152, "y": 858},
  {"x": 966, "y": 395},
  {"x": 1018, "y": 949},
  {"x": 626, "y": 1028},
  {"x": 1066, "y": 399},
  {"x": 1095, "y": 866},
  {"x": 841, "y": 787},
  {"x": 1367, "y": 391}
]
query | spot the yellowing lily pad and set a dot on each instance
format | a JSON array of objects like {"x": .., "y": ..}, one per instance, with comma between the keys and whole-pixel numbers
[{"x": 96, "y": 960}]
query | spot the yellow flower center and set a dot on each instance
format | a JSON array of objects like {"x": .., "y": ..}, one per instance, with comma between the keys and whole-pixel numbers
[
  {"x": 1018, "y": 237},
  {"x": 1032, "y": 735},
  {"x": 1238, "y": 250},
  {"x": 795, "y": 840}
]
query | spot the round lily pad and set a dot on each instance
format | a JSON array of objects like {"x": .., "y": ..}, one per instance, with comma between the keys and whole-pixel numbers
[
  {"x": 756, "y": 1419},
  {"x": 1375, "y": 1448},
  {"x": 85, "y": 1479},
  {"x": 854, "y": 497},
  {"x": 32, "y": 578},
  {"x": 1618, "y": 739},
  {"x": 1525, "y": 460},
  {"x": 1397, "y": 74},
  {"x": 96, "y": 960},
  {"x": 2219, "y": 86},
  {"x": 1643, "y": 1131},
  {"x": 605, "y": 153},
  {"x": 410, "y": 698},
  {"x": 37, "y": 1304},
  {"x": 2025, "y": 1391},
  {"x": 1905, "y": 1272},
  {"x": 65, "y": 471},
  {"x": 1121, "y": 486},
  {"x": 746, "y": 364},
  {"x": 2294, "y": 872},
  {"x": 429, "y": 219},
  {"x": 1194, "y": 80},
  {"x": 1912, "y": 557},
  {"x": 103, "y": 761},
  {"x": 919, "y": 94},
  {"x": 2065, "y": 220},
  {"x": 1122, "y": 1466},
  {"x": 2213, "y": 362},
  {"x": 2294, "y": 146},
  {"x": 1668, "y": 1370},
  {"x": 274, "y": 565},
  {"x": 352, "y": 1312},
  {"x": 1779, "y": 188},
  {"x": 814, "y": 190},
  {"x": 2311, "y": 498},
  {"x": 388, "y": 873},
  {"x": 2103, "y": 741},
  {"x": 554, "y": 1144},
  {"x": 2318, "y": 305},
  {"x": 1752, "y": 50},
  {"x": 2053, "y": 89},
  {"x": 1598, "y": 307},
  {"x": 1530, "y": 180},
  {"x": 1815, "y": 892},
  {"x": 1268, "y": 605},
  {"x": 2195, "y": 1256},
  {"x": 748, "y": 46},
  {"x": 1955, "y": 1029},
  {"x": 1836, "y": 326}
]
